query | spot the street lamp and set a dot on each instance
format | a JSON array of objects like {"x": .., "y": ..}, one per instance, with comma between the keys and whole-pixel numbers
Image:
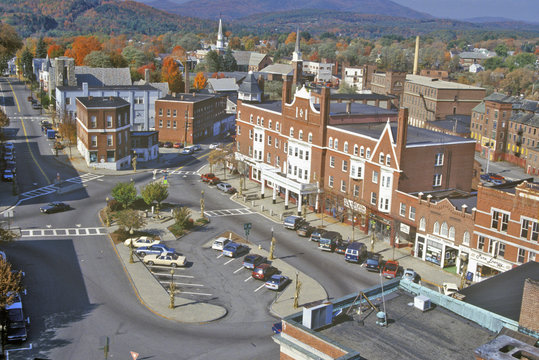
[
  {"x": 107, "y": 216},
  {"x": 131, "y": 247},
  {"x": 172, "y": 289},
  {"x": 272, "y": 246},
  {"x": 488, "y": 154}
]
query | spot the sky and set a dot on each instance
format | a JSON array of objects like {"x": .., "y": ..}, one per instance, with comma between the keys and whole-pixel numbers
[{"x": 523, "y": 10}]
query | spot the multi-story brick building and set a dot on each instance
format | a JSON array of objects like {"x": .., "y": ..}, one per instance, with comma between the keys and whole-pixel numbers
[
  {"x": 430, "y": 99},
  {"x": 389, "y": 83},
  {"x": 335, "y": 158},
  {"x": 103, "y": 132},
  {"x": 506, "y": 229},
  {"x": 189, "y": 117},
  {"x": 320, "y": 72}
]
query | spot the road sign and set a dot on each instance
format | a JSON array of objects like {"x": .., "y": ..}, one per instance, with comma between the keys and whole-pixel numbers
[
  {"x": 134, "y": 355},
  {"x": 247, "y": 226}
]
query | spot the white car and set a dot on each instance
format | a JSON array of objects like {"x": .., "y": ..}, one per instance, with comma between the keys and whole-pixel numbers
[
  {"x": 450, "y": 288},
  {"x": 214, "y": 146},
  {"x": 220, "y": 243},
  {"x": 141, "y": 241},
  {"x": 166, "y": 258}
]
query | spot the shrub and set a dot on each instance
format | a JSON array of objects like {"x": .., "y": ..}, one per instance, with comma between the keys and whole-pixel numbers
[{"x": 115, "y": 205}]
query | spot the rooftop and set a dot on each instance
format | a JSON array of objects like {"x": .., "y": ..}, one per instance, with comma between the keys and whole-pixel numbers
[
  {"x": 248, "y": 57},
  {"x": 283, "y": 69},
  {"x": 336, "y": 109},
  {"x": 102, "y": 76},
  {"x": 360, "y": 97},
  {"x": 439, "y": 84},
  {"x": 143, "y": 87},
  {"x": 188, "y": 97},
  {"x": 411, "y": 333},
  {"x": 102, "y": 102},
  {"x": 459, "y": 124}
]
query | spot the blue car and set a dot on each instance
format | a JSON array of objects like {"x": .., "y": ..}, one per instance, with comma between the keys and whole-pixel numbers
[
  {"x": 233, "y": 249},
  {"x": 156, "y": 249}
]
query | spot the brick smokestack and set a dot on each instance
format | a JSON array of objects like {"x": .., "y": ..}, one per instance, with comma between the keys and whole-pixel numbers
[
  {"x": 287, "y": 90},
  {"x": 416, "y": 55},
  {"x": 402, "y": 132}
]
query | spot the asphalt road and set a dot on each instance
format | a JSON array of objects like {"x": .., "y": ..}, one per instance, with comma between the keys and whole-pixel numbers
[{"x": 78, "y": 292}]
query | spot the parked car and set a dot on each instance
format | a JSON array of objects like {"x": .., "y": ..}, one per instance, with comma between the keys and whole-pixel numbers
[
  {"x": 277, "y": 327},
  {"x": 226, "y": 187},
  {"x": 355, "y": 252},
  {"x": 214, "y": 181},
  {"x": 214, "y": 146},
  {"x": 293, "y": 222},
  {"x": 277, "y": 282},
  {"x": 9, "y": 146},
  {"x": 233, "y": 249},
  {"x": 36, "y": 106},
  {"x": 12, "y": 165},
  {"x": 156, "y": 249},
  {"x": 305, "y": 230},
  {"x": 167, "y": 259},
  {"x": 177, "y": 145},
  {"x": 53, "y": 207},
  {"x": 253, "y": 260},
  {"x": 373, "y": 262},
  {"x": 411, "y": 275},
  {"x": 16, "y": 325},
  {"x": 187, "y": 151},
  {"x": 391, "y": 269},
  {"x": 196, "y": 147},
  {"x": 160, "y": 143},
  {"x": 207, "y": 177},
  {"x": 220, "y": 243},
  {"x": 315, "y": 235},
  {"x": 341, "y": 246},
  {"x": 264, "y": 271},
  {"x": 167, "y": 145},
  {"x": 7, "y": 175},
  {"x": 141, "y": 241},
  {"x": 9, "y": 156}
]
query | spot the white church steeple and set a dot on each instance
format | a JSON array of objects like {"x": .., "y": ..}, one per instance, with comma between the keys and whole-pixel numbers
[
  {"x": 296, "y": 56},
  {"x": 220, "y": 39}
]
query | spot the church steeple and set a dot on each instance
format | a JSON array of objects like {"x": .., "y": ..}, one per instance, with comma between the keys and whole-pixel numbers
[
  {"x": 297, "y": 62},
  {"x": 220, "y": 40},
  {"x": 296, "y": 56}
]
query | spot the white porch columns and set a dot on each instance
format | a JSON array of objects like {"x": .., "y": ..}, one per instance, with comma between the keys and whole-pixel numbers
[
  {"x": 274, "y": 194},
  {"x": 286, "y": 194},
  {"x": 299, "y": 204}
]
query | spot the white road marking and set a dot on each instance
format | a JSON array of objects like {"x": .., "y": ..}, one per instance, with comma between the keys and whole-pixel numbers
[
  {"x": 238, "y": 270},
  {"x": 62, "y": 232},
  {"x": 260, "y": 287},
  {"x": 249, "y": 278},
  {"x": 220, "y": 255},
  {"x": 229, "y": 261},
  {"x": 194, "y": 293},
  {"x": 183, "y": 284}
]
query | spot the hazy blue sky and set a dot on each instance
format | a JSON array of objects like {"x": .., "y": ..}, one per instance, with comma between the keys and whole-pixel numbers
[{"x": 525, "y": 10}]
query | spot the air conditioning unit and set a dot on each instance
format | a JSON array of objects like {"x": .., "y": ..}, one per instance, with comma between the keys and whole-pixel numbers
[
  {"x": 318, "y": 316},
  {"x": 422, "y": 302}
]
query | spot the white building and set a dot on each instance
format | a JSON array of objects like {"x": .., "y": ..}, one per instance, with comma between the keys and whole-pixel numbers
[{"x": 322, "y": 71}]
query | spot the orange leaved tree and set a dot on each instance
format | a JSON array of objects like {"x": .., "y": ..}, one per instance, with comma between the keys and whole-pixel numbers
[
  {"x": 200, "y": 81},
  {"x": 82, "y": 46},
  {"x": 170, "y": 72}
]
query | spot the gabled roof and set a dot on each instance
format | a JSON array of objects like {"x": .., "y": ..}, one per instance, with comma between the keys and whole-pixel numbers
[
  {"x": 102, "y": 76},
  {"x": 249, "y": 85},
  {"x": 103, "y": 102},
  {"x": 225, "y": 84},
  {"x": 282, "y": 69},
  {"x": 249, "y": 58}
]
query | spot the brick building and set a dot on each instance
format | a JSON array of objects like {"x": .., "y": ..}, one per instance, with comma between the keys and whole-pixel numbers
[
  {"x": 389, "y": 83},
  {"x": 430, "y": 99},
  {"x": 345, "y": 159},
  {"x": 189, "y": 117},
  {"x": 359, "y": 77},
  {"x": 103, "y": 131},
  {"x": 506, "y": 229}
]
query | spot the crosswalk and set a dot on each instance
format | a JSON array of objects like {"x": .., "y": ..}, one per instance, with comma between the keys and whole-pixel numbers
[
  {"x": 229, "y": 212},
  {"x": 31, "y": 118},
  {"x": 177, "y": 172},
  {"x": 84, "y": 178},
  {"x": 63, "y": 232},
  {"x": 49, "y": 189}
]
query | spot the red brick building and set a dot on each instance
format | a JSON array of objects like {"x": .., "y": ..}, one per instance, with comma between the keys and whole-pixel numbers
[
  {"x": 188, "y": 117},
  {"x": 333, "y": 158},
  {"x": 103, "y": 132}
]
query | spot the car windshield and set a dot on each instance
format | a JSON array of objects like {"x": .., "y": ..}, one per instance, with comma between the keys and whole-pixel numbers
[
  {"x": 391, "y": 267},
  {"x": 372, "y": 262}
]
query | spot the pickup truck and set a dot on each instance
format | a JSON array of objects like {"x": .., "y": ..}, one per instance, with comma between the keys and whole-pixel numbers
[{"x": 51, "y": 134}]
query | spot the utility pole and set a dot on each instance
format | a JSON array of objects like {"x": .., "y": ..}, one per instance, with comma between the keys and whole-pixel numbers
[
  {"x": 202, "y": 203},
  {"x": 186, "y": 127},
  {"x": 272, "y": 246},
  {"x": 296, "y": 293}
]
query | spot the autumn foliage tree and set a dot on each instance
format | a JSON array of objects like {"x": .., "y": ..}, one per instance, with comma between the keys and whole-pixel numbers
[
  {"x": 200, "y": 81},
  {"x": 82, "y": 46},
  {"x": 170, "y": 73},
  {"x": 291, "y": 38},
  {"x": 55, "y": 51}
]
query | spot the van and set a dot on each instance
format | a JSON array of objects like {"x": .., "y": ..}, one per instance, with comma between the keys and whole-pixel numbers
[
  {"x": 293, "y": 222},
  {"x": 328, "y": 240},
  {"x": 220, "y": 243},
  {"x": 355, "y": 252}
]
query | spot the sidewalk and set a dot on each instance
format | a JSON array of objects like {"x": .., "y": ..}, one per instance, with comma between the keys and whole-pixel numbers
[{"x": 430, "y": 273}]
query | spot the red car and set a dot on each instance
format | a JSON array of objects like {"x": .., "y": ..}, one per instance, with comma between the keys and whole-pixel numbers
[
  {"x": 391, "y": 269},
  {"x": 264, "y": 271},
  {"x": 177, "y": 145},
  {"x": 208, "y": 177}
]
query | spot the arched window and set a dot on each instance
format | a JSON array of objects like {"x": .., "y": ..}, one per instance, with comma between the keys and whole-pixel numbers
[
  {"x": 291, "y": 132},
  {"x": 239, "y": 115},
  {"x": 436, "y": 228},
  {"x": 336, "y": 144},
  {"x": 362, "y": 152},
  {"x": 258, "y": 120},
  {"x": 452, "y": 233},
  {"x": 356, "y": 150},
  {"x": 269, "y": 123},
  {"x": 466, "y": 238},
  {"x": 368, "y": 153},
  {"x": 330, "y": 142},
  {"x": 444, "y": 231},
  {"x": 382, "y": 157},
  {"x": 388, "y": 160},
  {"x": 277, "y": 126},
  {"x": 345, "y": 148},
  {"x": 422, "y": 224},
  {"x": 262, "y": 122},
  {"x": 310, "y": 138},
  {"x": 251, "y": 118},
  {"x": 301, "y": 134}
]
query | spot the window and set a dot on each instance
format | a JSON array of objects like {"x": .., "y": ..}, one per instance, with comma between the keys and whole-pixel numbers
[
  {"x": 345, "y": 148},
  {"x": 388, "y": 160},
  {"x": 343, "y": 186},
  {"x": 258, "y": 120},
  {"x": 356, "y": 150},
  {"x": 268, "y": 158},
  {"x": 481, "y": 243},
  {"x": 119, "y": 121},
  {"x": 269, "y": 124},
  {"x": 524, "y": 228},
  {"x": 168, "y": 112},
  {"x": 501, "y": 249},
  {"x": 300, "y": 134},
  {"x": 362, "y": 152},
  {"x": 94, "y": 141},
  {"x": 160, "y": 123},
  {"x": 344, "y": 165},
  {"x": 277, "y": 161},
  {"x": 375, "y": 177},
  {"x": 535, "y": 231},
  {"x": 403, "y": 209},
  {"x": 439, "y": 159},
  {"x": 373, "y": 198},
  {"x": 285, "y": 147},
  {"x": 437, "y": 181},
  {"x": 452, "y": 233},
  {"x": 93, "y": 122},
  {"x": 109, "y": 121},
  {"x": 330, "y": 142},
  {"x": 68, "y": 101},
  {"x": 444, "y": 229},
  {"x": 368, "y": 153},
  {"x": 109, "y": 140},
  {"x": 331, "y": 161},
  {"x": 505, "y": 220},
  {"x": 251, "y": 118},
  {"x": 277, "y": 126},
  {"x": 262, "y": 122},
  {"x": 422, "y": 224},
  {"x": 276, "y": 142},
  {"x": 174, "y": 124},
  {"x": 356, "y": 191},
  {"x": 336, "y": 144},
  {"x": 300, "y": 154},
  {"x": 436, "y": 228},
  {"x": 174, "y": 113},
  {"x": 330, "y": 181},
  {"x": 466, "y": 238},
  {"x": 306, "y": 155},
  {"x": 250, "y": 133},
  {"x": 168, "y": 124},
  {"x": 310, "y": 138},
  {"x": 250, "y": 150},
  {"x": 139, "y": 100},
  {"x": 110, "y": 156},
  {"x": 381, "y": 158},
  {"x": 531, "y": 256},
  {"x": 521, "y": 255},
  {"x": 495, "y": 220},
  {"x": 239, "y": 130},
  {"x": 291, "y": 132},
  {"x": 269, "y": 140}
]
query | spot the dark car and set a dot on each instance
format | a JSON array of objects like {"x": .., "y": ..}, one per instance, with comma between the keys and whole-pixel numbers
[
  {"x": 7, "y": 175},
  {"x": 264, "y": 271},
  {"x": 253, "y": 260},
  {"x": 341, "y": 246},
  {"x": 233, "y": 249},
  {"x": 305, "y": 230},
  {"x": 315, "y": 235},
  {"x": 53, "y": 207},
  {"x": 167, "y": 145},
  {"x": 155, "y": 249},
  {"x": 36, "y": 106},
  {"x": 373, "y": 262}
]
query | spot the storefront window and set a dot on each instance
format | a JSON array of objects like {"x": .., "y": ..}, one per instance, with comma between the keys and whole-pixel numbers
[
  {"x": 93, "y": 156},
  {"x": 434, "y": 252},
  {"x": 452, "y": 233}
]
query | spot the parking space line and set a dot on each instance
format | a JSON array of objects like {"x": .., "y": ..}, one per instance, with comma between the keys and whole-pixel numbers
[
  {"x": 195, "y": 293},
  {"x": 238, "y": 270},
  {"x": 249, "y": 278},
  {"x": 220, "y": 255},
  {"x": 229, "y": 261},
  {"x": 183, "y": 284},
  {"x": 260, "y": 287}
]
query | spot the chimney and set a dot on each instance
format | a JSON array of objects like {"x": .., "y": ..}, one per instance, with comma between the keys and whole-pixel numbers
[
  {"x": 85, "y": 89},
  {"x": 287, "y": 90},
  {"x": 147, "y": 76},
  {"x": 181, "y": 97},
  {"x": 429, "y": 196},
  {"x": 349, "y": 107},
  {"x": 402, "y": 132},
  {"x": 260, "y": 82},
  {"x": 187, "y": 85},
  {"x": 464, "y": 207},
  {"x": 324, "y": 109},
  {"x": 416, "y": 56},
  {"x": 420, "y": 196}
]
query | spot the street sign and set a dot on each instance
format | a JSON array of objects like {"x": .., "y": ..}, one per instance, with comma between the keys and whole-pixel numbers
[
  {"x": 134, "y": 355},
  {"x": 247, "y": 226}
]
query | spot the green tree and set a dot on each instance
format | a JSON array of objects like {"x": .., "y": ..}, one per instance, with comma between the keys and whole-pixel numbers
[
  {"x": 181, "y": 216},
  {"x": 125, "y": 193},
  {"x": 10, "y": 42},
  {"x": 26, "y": 63},
  {"x": 135, "y": 57},
  {"x": 154, "y": 192},
  {"x": 493, "y": 63},
  {"x": 501, "y": 50},
  {"x": 213, "y": 61},
  {"x": 229, "y": 62},
  {"x": 41, "y": 49},
  {"x": 130, "y": 219},
  {"x": 118, "y": 61},
  {"x": 346, "y": 89},
  {"x": 98, "y": 59},
  {"x": 520, "y": 61}
]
